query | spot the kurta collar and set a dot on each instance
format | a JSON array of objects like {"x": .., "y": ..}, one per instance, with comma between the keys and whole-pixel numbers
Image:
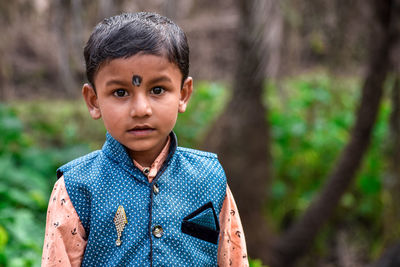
[{"x": 117, "y": 152}]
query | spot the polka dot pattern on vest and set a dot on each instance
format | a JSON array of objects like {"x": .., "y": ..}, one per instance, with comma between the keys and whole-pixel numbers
[{"x": 104, "y": 180}]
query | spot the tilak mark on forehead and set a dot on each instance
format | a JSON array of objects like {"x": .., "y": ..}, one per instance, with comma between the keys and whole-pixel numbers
[{"x": 136, "y": 80}]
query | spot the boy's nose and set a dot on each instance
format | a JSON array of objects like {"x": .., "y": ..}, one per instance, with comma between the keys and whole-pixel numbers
[{"x": 140, "y": 106}]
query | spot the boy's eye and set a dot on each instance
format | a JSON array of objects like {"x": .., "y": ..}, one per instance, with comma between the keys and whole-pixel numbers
[
  {"x": 157, "y": 90},
  {"x": 120, "y": 93}
]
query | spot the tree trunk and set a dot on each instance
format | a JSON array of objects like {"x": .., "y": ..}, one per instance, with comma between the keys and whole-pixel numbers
[
  {"x": 170, "y": 9},
  {"x": 107, "y": 8},
  {"x": 240, "y": 136},
  {"x": 391, "y": 258},
  {"x": 300, "y": 236},
  {"x": 61, "y": 12},
  {"x": 77, "y": 41},
  {"x": 392, "y": 177}
]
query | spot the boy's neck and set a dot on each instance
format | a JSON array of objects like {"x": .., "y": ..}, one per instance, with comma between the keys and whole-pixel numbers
[{"x": 146, "y": 158}]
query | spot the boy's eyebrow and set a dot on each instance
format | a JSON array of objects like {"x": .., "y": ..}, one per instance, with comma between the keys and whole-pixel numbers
[
  {"x": 160, "y": 79},
  {"x": 152, "y": 81},
  {"x": 115, "y": 82}
]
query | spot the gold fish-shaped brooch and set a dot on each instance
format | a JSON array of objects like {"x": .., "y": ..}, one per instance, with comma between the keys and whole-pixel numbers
[{"x": 120, "y": 221}]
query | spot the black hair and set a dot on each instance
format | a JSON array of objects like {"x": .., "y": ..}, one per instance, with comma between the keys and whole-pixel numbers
[{"x": 128, "y": 34}]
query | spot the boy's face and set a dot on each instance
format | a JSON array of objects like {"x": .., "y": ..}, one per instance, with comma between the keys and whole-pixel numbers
[{"x": 138, "y": 99}]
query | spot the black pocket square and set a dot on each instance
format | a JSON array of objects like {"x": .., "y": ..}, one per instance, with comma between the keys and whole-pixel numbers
[{"x": 202, "y": 224}]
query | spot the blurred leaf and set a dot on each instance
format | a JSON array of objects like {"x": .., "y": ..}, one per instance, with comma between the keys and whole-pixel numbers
[
  {"x": 3, "y": 238},
  {"x": 369, "y": 184},
  {"x": 348, "y": 200},
  {"x": 278, "y": 190},
  {"x": 256, "y": 263}
]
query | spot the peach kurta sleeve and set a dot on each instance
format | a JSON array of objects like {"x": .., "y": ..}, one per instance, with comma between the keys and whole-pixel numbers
[
  {"x": 65, "y": 238},
  {"x": 232, "y": 245}
]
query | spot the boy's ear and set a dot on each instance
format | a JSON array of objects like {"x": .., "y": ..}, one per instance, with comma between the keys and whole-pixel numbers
[
  {"x": 186, "y": 92},
  {"x": 90, "y": 96}
]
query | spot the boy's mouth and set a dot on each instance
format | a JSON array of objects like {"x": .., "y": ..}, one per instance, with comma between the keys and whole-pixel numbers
[{"x": 141, "y": 130}]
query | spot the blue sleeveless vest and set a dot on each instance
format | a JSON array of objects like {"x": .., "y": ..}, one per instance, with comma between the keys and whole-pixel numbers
[{"x": 172, "y": 221}]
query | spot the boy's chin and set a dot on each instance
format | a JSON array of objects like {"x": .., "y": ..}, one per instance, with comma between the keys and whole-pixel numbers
[{"x": 143, "y": 147}]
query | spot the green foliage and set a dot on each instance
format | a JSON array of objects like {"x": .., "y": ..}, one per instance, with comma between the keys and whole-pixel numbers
[
  {"x": 60, "y": 124},
  {"x": 27, "y": 172},
  {"x": 311, "y": 117},
  {"x": 256, "y": 263},
  {"x": 206, "y": 103}
]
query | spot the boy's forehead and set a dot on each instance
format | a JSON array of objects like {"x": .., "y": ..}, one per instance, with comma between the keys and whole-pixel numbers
[
  {"x": 138, "y": 68},
  {"x": 138, "y": 61}
]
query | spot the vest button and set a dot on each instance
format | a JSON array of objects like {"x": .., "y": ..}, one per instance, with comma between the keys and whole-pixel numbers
[
  {"x": 158, "y": 231},
  {"x": 156, "y": 190}
]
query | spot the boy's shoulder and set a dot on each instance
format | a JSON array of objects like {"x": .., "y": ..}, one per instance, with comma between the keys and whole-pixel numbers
[
  {"x": 78, "y": 162},
  {"x": 195, "y": 152},
  {"x": 203, "y": 167}
]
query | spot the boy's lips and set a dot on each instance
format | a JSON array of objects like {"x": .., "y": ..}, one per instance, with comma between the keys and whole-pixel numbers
[{"x": 141, "y": 130}]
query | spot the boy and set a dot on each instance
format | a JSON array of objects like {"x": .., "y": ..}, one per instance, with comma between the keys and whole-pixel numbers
[{"x": 141, "y": 200}]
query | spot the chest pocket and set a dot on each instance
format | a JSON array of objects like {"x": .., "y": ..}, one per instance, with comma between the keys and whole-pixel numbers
[{"x": 202, "y": 223}]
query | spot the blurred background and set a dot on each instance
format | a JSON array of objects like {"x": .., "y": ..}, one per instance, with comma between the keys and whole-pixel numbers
[{"x": 300, "y": 99}]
